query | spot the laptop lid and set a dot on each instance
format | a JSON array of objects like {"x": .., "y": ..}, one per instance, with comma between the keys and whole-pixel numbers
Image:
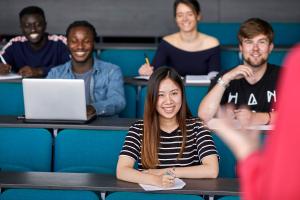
[{"x": 54, "y": 99}]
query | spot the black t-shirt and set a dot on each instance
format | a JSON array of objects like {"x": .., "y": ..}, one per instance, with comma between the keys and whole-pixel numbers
[{"x": 258, "y": 97}]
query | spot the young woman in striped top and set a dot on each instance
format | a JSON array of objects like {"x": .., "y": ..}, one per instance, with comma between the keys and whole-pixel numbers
[{"x": 168, "y": 143}]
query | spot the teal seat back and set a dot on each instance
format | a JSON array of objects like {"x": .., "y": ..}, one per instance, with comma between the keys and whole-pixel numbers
[
  {"x": 38, "y": 194},
  {"x": 226, "y": 33},
  {"x": 130, "y": 96},
  {"x": 286, "y": 34},
  {"x": 194, "y": 95},
  {"x": 141, "y": 102},
  {"x": 25, "y": 149},
  {"x": 227, "y": 162},
  {"x": 11, "y": 96},
  {"x": 94, "y": 151},
  {"x": 229, "y": 59},
  {"x": 150, "y": 196},
  {"x": 128, "y": 60},
  {"x": 277, "y": 57}
]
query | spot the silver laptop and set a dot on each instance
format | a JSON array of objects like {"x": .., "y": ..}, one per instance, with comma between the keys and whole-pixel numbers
[{"x": 55, "y": 101}]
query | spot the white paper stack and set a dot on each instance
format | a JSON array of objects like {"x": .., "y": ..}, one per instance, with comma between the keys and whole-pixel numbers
[
  {"x": 179, "y": 184},
  {"x": 197, "y": 79}
]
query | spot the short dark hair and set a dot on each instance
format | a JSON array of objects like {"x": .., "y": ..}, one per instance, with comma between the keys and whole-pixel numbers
[
  {"x": 32, "y": 10},
  {"x": 82, "y": 23},
  {"x": 193, "y": 4},
  {"x": 253, "y": 27}
]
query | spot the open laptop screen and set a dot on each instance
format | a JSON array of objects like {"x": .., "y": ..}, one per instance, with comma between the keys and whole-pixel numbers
[{"x": 54, "y": 99}]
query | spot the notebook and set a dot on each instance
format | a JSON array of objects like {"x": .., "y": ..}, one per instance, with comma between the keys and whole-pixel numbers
[{"x": 55, "y": 101}]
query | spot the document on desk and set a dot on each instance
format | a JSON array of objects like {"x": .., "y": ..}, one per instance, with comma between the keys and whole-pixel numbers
[
  {"x": 197, "y": 79},
  {"x": 179, "y": 184},
  {"x": 142, "y": 77},
  {"x": 10, "y": 76}
]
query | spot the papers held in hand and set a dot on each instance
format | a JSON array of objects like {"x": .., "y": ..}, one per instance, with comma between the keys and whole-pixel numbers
[{"x": 179, "y": 184}]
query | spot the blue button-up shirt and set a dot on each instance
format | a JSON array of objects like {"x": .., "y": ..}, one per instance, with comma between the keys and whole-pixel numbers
[{"x": 106, "y": 87}]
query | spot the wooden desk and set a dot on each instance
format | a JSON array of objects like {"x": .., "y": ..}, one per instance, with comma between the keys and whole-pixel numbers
[
  {"x": 104, "y": 183},
  {"x": 101, "y": 123}
]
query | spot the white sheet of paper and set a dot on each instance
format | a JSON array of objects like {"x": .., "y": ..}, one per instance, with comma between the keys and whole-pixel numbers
[
  {"x": 142, "y": 77},
  {"x": 179, "y": 184},
  {"x": 197, "y": 79},
  {"x": 10, "y": 76}
]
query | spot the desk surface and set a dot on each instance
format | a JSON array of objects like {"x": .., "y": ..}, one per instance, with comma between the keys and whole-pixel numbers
[
  {"x": 103, "y": 183},
  {"x": 101, "y": 123},
  {"x": 142, "y": 82},
  {"x": 128, "y": 79}
]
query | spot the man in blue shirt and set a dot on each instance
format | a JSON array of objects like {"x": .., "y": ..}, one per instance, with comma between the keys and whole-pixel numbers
[
  {"x": 103, "y": 81},
  {"x": 34, "y": 53}
]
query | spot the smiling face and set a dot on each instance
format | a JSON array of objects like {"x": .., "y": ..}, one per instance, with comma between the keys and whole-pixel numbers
[
  {"x": 169, "y": 99},
  {"x": 256, "y": 50},
  {"x": 81, "y": 44},
  {"x": 186, "y": 18},
  {"x": 33, "y": 27}
]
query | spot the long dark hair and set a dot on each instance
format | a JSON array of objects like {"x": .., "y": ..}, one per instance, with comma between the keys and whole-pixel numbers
[{"x": 151, "y": 136}]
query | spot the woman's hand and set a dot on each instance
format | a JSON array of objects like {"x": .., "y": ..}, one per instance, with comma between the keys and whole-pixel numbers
[{"x": 146, "y": 70}]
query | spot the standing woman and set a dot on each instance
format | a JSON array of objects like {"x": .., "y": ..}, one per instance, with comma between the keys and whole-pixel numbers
[
  {"x": 189, "y": 51},
  {"x": 168, "y": 143}
]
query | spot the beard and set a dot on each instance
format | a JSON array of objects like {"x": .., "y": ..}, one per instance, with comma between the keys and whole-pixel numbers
[{"x": 257, "y": 64}]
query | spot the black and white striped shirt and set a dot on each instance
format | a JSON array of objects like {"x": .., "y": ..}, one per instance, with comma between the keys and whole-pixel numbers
[{"x": 199, "y": 143}]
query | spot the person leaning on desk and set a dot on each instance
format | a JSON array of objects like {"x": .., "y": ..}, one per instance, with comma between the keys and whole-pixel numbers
[
  {"x": 103, "y": 81},
  {"x": 250, "y": 87},
  {"x": 189, "y": 51},
  {"x": 34, "y": 53},
  {"x": 168, "y": 143}
]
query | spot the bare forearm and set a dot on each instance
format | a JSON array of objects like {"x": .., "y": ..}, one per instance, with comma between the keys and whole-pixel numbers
[
  {"x": 211, "y": 103},
  {"x": 135, "y": 176},
  {"x": 209, "y": 169}
]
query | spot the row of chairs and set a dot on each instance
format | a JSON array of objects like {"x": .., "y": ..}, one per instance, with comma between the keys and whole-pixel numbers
[
  {"x": 12, "y": 94},
  {"x": 93, "y": 151},
  {"x": 130, "y": 60}
]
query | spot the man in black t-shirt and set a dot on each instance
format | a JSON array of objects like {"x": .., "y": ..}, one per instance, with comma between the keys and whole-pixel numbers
[{"x": 251, "y": 87}]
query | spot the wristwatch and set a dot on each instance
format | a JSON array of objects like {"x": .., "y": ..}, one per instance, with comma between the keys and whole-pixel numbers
[{"x": 222, "y": 83}]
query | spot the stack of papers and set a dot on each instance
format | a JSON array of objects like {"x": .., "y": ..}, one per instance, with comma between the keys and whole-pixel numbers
[
  {"x": 197, "y": 79},
  {"x": 10, "y": 76},
  {"x": 142, "y": 77},
  {"x": 179, "y": 184}
]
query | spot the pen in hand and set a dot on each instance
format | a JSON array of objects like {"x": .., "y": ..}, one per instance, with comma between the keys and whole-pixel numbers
[
  {"x": 146, "y": 59},
  {"x": 3, "y": 60},
  {"x": 8, "y": 67}
]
